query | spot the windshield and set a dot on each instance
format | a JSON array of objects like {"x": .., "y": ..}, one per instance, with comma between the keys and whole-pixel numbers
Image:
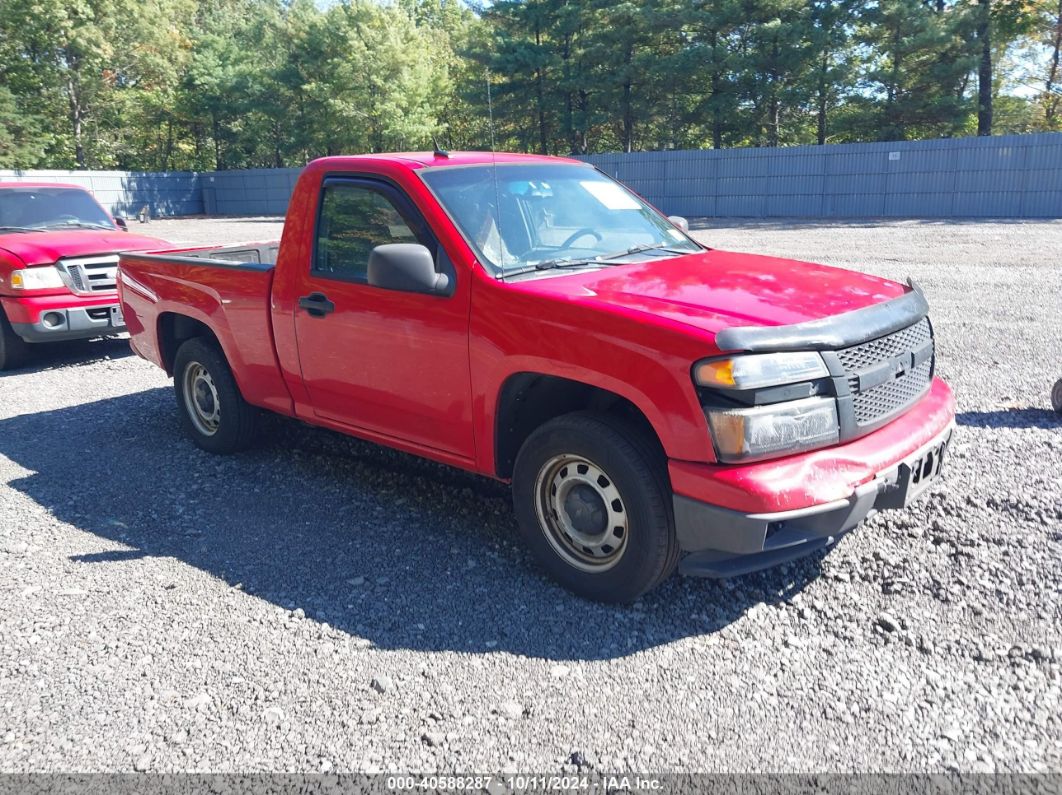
[
  {"x": 523, "y": 217},
  {"x": 46, "y": 208}
]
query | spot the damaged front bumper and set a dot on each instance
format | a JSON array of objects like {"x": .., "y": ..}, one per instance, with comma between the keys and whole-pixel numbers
[{"x": 724, "y": 542}]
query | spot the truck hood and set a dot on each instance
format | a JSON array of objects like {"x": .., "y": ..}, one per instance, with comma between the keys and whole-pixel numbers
[
  {"x": 722, "y": 289},
  {"x": 44, "y": 248}
]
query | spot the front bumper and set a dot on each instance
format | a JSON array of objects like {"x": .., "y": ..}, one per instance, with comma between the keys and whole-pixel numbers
[
  {"x": 63, "y": 317},
  {"x": 805, "y": 502}
]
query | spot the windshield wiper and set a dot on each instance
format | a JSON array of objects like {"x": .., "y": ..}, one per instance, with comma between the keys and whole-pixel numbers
[
  {"x": 602, "y": 259},
  {"x": 78, "y": 224},
  {"x": 550, "y": 264},
  {"x": 554, "y": 264},
  {"x": 643, "y": 247},
  {"x": 19, "y": 229}
]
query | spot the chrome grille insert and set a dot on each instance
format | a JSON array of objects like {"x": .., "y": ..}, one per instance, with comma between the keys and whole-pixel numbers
[{"x": 90, "y": 275}]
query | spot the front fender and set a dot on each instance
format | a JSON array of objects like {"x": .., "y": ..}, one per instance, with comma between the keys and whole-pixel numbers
[{"x": 647, "y": 365}]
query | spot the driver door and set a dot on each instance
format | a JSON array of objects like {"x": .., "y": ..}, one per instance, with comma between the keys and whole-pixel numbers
[{"x": 388, "y": 362}]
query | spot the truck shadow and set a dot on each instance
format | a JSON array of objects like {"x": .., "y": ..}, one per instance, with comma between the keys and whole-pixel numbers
[
  {"x": 380, "y": 545},
  {"x": 51, "y": 355},
  {"x": 1010, "y": 418}
]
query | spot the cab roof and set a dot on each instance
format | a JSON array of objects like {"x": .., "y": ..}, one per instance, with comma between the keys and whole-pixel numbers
[{"x": 416, "y": 160}]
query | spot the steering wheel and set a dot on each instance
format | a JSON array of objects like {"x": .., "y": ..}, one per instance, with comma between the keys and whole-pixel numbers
[{"x": 578, "y": 233}]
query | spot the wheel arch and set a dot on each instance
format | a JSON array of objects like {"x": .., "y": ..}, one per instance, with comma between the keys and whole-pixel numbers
[
  {"x": 175, "y": 329},
  {"x": 528, "y": 399}
]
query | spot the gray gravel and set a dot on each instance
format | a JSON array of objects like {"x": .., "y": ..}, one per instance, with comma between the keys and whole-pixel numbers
[{"x": 322, "y": 604}]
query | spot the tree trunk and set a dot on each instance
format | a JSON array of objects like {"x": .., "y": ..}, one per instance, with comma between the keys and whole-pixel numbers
[
  {"x": 823, "y": 99},
  {"x": 984, "y": 69},
  {"x": 540, "y": 92},
  {"x": 628, "y": 119},
  {"x": 168, "y": 154},
  {"x": 77, "y": 111},
  {"x": 584, "y": 135},
  {"x": 79, "y": 146},
  {"x": 219, "y": 164},
  {"x": 895, "y": 123},
  {"x": 717, "y": 113},
  {"x": 628, "y": 111},
  {"x": 569, "y": 97},
  {"x": 278, "y": 160},
  {"x": 774, "y": 104},
  {"x": 1052, "y": 98}
]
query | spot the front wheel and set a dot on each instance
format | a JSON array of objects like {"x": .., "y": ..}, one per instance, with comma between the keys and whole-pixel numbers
[
  {"x": 1056, "y": 396},
  {"x": 592, "y": 501},
  {"x": 213, "y": 412},
  {"x": 14, "y": 351}
]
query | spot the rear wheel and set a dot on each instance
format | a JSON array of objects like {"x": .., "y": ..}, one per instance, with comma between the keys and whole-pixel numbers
[
  {"x": 213, "y": 412},
  {"x": 593, "y": 503},
  {"x": 14, "y": 351},
  {"x": 1056, "y": 396}
]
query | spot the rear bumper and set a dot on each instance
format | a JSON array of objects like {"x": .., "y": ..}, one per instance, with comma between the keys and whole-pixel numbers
[
  {"x": 795, "y": 506},
  {"x": 55, "y": 318}
]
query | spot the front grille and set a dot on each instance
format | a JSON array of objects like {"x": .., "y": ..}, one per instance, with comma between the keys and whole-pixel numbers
[
  {"x": 869, "y": 354},
  {"x": 884, "y": 399},
  {"x": 90, "y": 275},
  {"x": 885, "y": 375}
]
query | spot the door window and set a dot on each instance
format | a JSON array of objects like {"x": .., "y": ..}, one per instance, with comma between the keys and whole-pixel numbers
[{"x": 354, "y": 220}]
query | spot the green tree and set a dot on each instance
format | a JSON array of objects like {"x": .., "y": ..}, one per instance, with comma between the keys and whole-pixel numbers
[
  {"x": 835, "y": 61},
  {"x": 22, "y": 138},
  {"x": 919, "y": 70}
]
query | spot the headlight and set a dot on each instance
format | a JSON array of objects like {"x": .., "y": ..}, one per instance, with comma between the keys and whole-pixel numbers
[
  {"x": 42, "y": 278},
  {"x": 779, "y": 429},
  {"x": 760, "y": 370}
]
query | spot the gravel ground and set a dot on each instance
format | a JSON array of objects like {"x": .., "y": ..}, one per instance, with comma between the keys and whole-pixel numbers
[{"x": 322, "y": 604}]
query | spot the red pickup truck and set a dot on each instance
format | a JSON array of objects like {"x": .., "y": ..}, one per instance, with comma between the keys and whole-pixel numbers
[
  {"x": 532, "y": 320},
  {"x": 58, "y": 258}
]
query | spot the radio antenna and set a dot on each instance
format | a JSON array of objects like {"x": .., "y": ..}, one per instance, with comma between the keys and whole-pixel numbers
[
  {"x": 494, "y": 175},
  {"x": 490, "y": 113}
]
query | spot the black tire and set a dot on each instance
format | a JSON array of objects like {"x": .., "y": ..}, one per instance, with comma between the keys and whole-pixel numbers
[
  {"x": 634, "y": 469},
  {"x": 14, "y": 351},
  {"x": 1056, "y": 396},
  {"x": 236, "y": 422}
]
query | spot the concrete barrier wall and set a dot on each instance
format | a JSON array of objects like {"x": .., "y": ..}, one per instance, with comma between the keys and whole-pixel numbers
[
  {"x": 1013, "y": 176},
  {"x": 125, "y": 192}
]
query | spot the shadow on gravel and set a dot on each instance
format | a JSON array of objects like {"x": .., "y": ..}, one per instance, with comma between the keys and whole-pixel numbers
[
  {"x": 1010, "y": 418},
  {"x": 378, "y": 544},
  {"x": 701, "y": 224},
  {"x": 52, "y": 355}
]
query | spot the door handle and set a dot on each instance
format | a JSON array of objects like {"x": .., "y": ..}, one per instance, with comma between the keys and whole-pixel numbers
[{"x": 317, "y": 304}]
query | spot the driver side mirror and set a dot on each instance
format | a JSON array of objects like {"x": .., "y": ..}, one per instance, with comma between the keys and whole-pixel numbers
[
  {"x": 680, "y": 222},
  {"x": 121, "y": 224},
  {"x": 408, "y": 267}
]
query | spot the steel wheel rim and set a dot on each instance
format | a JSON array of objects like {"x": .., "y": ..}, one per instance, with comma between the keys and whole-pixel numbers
[
  {"x": 201, "y": 398},
  {"x": 581, "y": 513}
]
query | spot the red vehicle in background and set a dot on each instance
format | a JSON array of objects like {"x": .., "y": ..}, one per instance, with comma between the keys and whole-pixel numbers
[
  {"x": 58, "y": 258},
  {"x": 532, "y": 320}
]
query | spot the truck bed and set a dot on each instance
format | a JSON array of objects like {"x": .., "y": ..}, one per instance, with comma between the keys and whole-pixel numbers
[
  {"x": 226, "y": 289},
  {"x": 240, "y": 254}
]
